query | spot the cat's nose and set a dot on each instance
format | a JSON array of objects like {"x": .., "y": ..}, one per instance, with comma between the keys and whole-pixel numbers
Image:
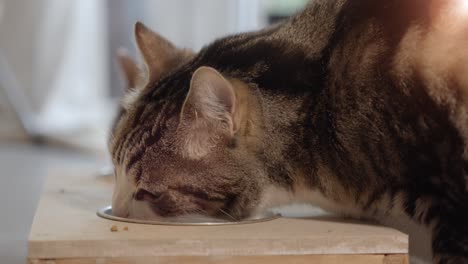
[{"x": 144, "y": 195}]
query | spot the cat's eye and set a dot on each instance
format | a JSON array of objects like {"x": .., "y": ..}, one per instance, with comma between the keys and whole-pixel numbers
[{"x": 142, "y": 194}]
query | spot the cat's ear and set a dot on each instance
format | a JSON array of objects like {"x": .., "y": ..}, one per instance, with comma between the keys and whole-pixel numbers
[
  {"x": 211, "y": 97},
  {"x": 157, "y": 52},
  {"x": 128, "y": 67}
]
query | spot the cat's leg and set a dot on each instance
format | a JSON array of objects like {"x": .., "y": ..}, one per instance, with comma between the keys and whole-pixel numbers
[
  {"x": 450, "y": 240},
  {"x": 449, "y": 223}
]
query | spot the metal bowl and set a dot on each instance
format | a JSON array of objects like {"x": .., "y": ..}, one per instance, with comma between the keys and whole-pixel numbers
[{"x": 106, "y": 213}]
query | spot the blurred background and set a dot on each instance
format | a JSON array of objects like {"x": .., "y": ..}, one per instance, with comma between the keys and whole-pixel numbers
[{"x": 59, "y": 85}]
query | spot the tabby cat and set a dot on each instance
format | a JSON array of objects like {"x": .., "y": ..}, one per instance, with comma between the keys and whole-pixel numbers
[{"x": 357, "y": 106}]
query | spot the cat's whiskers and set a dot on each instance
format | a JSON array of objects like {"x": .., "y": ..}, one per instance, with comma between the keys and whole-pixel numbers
[{"x": 225, "y": 213}]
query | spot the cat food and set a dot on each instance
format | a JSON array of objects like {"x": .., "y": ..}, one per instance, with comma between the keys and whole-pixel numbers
[{"x": 114, "y": 229}]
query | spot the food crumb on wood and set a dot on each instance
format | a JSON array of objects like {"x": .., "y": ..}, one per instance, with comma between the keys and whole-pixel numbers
[
  {"x": 125, "y": 228},
  {"x": 114, "y": 229}
]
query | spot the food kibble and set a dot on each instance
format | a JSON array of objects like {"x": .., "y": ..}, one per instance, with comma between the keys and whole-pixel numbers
[
  {"x": 114, "y": 229},
  {"x": 125, "y": 228}
]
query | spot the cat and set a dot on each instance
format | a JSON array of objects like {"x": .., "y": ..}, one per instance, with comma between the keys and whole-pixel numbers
[{"x": 357, "y": 106}]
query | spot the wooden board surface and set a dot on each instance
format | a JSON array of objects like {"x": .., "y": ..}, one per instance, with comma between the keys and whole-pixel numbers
[
  {"x": 296, "y": 259},
  {"x": 66, "y": 227}
]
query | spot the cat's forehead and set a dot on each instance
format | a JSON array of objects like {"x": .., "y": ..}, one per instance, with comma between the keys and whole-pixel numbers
[{"x": 142, "y": 127}]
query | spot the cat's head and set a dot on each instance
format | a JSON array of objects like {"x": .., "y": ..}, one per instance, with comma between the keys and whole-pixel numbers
[{"x": 196, "y": 155}]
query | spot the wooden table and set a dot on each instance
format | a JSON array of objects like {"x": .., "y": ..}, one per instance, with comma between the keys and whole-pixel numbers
[{"x": 67, "y": 230}]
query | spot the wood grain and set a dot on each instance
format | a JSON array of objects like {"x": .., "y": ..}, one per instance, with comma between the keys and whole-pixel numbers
[
  {"x": 66, "y": 228},
  {"x": 306, "y": 259}
]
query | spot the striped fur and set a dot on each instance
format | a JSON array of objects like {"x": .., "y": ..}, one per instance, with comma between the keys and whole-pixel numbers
[{"x": 360, "y": 106}]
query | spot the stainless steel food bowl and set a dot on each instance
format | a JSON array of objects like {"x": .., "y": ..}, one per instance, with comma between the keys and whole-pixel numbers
[{"x": 106, "y": 213}]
